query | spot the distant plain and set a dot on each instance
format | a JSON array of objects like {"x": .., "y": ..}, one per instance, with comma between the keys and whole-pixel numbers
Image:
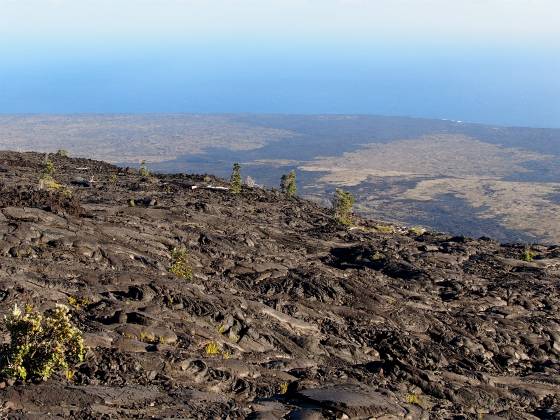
[{"x": 465, "y": 179}]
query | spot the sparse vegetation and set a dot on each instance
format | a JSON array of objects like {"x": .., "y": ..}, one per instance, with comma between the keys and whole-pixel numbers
[
  {"x": 527, "y": 255},
  {"x": 346, "y": 222},
  {"x": 144, "y": 172},
  {"x": 46, "y": 180},
  {"x": 179, "y": 264},
  {"x": 113, "y": 178},
  {"x": 342, "y": 205},
  {"x": 48, "y": 170},
  {"x": 416, "y": 230},
  {"x": 211, "y": 348},
  {"x": 41, "y": 344},
  {"x": 235, "y": 182},
  {"x": 412, "y": 399},
  {"x": 62, "y": 152},
  {"x": 383, "y": 229},
  {"x": 288, "y": 183}
]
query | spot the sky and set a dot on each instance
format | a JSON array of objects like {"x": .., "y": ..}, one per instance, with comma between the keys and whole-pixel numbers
[{"x": 491, "y": 61}]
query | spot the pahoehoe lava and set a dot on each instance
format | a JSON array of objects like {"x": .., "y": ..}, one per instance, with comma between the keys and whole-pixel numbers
[{"x": 312, "y": 319}]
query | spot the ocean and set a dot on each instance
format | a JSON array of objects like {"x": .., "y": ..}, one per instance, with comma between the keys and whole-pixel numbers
[{"x": 500, "y": 87}]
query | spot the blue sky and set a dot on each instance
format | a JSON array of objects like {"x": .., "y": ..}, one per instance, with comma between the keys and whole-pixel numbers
[{"x": 314, "y": 56}]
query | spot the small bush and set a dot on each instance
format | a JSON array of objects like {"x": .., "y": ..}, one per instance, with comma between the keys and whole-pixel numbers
[
  {"x": 384, "y": 229},
  {"x": 41, "y": 344},
  {"x": 212, "y": 348},
  {"x": 179, "y": 264},
  {"x": 416, "y": 230},
  {"x": 235, "y": 181},
  {"x": 48, "y": 170},
  {"x": 342, "y": 204},
  {"x": 143, "y": 171},
  {"x": 288, "y": 183},
  {"x": 412, "y": 399},
  {"x": 62, "y": 152},
  {"x": 46, "y": 180},
  {"x": 527, "y": 255},
  {"x": 344, "y": 221}
]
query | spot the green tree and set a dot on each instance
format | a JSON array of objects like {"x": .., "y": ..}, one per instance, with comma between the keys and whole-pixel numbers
[
  {"x": 235, "y": 181},
  {"x": 48, "y": 170},
  {"x": 342, "y": 204},
  {"x": 288, "y": 183}
]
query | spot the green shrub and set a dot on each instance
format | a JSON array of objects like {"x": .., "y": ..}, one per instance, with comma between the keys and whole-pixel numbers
[
  {"x": 179, "y": 264},
  {"x": 235, "y": 181},
  {"x": 212, "y": 348},
  {"x": 41, "y": 344},
  {"x": 416, "y": 230},
  {"x": 383, "y": 229},
  {"x": 48, "y": 170},
  {"x": 62, "y": 152},
  {"x": 143, "y": 171},
  {"x": 342, "y": 204},
  {"x": 46, "y": 180},
  {"x": 527, "y": 255},
  {"x": 346, "y": 221},
  {"x": 288, "y": 183}
]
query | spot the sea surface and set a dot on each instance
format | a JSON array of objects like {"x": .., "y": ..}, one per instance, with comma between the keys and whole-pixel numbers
[{"x": 500, "y": 87}]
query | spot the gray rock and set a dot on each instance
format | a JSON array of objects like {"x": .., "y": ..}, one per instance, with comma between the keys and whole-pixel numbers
[{"x": 355, "y": 401}]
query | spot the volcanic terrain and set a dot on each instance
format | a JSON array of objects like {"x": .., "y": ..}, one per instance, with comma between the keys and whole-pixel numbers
[{"x": 288, "y": 314}]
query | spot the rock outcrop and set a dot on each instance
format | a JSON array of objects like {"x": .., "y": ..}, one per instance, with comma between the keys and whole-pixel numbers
[{"x": 287, "y": 314}]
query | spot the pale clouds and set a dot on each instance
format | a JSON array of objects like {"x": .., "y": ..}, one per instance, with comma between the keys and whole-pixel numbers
[{"x": 412, "y": 20}]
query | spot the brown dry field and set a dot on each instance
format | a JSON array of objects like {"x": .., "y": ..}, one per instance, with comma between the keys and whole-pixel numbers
[{"x": 466, "y": 179}]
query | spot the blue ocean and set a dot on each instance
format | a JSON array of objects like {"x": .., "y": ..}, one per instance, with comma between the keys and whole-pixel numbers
[{"x": 502, "y": 86}]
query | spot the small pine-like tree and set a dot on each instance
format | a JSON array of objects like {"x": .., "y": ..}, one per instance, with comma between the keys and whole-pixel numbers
[
  {"x": 48, "y": 170},
  {"x": 144, "y": 172},
  {"x": 288, "y": 183},
  {"x": 342, "y": 203},
  {"x": 235, "y": 181}
]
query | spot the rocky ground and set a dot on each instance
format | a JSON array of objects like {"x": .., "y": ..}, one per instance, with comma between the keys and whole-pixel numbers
[{"x": 309, "y": 319}]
